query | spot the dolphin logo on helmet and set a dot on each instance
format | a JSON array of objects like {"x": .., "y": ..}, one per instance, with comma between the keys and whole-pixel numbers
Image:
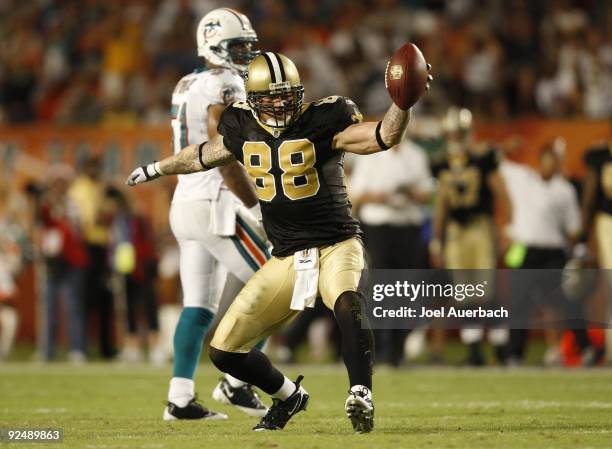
[{"x": 225, "y": 38}]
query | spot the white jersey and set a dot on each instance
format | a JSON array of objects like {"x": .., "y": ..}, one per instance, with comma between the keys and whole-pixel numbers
[{"x": 192, "y": 96}]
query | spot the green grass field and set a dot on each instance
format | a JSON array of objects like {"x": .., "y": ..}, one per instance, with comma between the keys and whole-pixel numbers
[{"x": 117, "y": 406}]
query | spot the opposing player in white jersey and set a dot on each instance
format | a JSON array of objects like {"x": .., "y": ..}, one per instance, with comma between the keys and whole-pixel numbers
[{"x": 220, "y": 237}]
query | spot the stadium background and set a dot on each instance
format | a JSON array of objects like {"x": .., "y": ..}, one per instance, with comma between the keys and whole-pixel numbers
[{"x": 95, "y": 78}]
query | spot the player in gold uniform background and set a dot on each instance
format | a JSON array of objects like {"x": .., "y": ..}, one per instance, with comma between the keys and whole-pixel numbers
[{"x": 469, "y": 183}]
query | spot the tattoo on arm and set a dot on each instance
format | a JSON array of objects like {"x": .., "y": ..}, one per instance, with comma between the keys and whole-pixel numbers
[
  {"x": 393, "y": 125},
  {"x": 214, "y": 153},
  {"x": 187, "y": 160}
]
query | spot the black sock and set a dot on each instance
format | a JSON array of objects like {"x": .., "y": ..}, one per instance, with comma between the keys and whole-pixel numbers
[
  {"x": 501, "y": 353},
  {"x": 253, "y": 368},
  {"x": 475, "y": 356},
  {"x": 357, "y": 339}
]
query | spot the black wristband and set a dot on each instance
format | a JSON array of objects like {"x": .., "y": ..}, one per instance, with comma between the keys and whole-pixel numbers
[
  {"x": 381, "y": 143},
  {"x": 204, "y": 166}
]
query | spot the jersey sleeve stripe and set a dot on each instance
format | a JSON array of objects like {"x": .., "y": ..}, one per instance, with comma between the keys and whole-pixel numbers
[
  {"x": 184, "y": 128},
  {"x": 260, "y": 243},
  {"x": 244, "y": 253},
  {"x": 254, "y": 252}
]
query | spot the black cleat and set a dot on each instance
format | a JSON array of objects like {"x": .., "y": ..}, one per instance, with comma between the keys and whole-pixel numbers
[
  {"x": 281, "y": 411},
  {"x": 243, "y": 398},
  {"x": 360, "y": 410},
  {"x": 193, "y": 410}
]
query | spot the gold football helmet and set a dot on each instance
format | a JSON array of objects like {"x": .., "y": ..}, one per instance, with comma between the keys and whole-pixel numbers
[
  {"x": 457, "y": 120},
  {"x": 274, "y": 90}
]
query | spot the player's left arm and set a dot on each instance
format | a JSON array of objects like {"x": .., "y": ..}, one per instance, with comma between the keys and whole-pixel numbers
[
  {"x": 363, "y": 138},
  {"x": 191, "y": 159},
  {"x": 372, "y": 137}
]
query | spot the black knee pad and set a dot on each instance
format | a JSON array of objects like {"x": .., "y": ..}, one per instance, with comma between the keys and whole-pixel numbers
[
  {"x": 348, "y": 308},
  {"x": 226, "y": 362}
]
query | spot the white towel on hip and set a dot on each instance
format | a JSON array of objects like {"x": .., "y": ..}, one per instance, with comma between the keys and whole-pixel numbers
[{"x": 306, "y": 265}]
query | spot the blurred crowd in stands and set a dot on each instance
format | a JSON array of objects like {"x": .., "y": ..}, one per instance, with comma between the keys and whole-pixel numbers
[
  {"x": 112, "y": 62},
  {"x": 95, "y": 262}
]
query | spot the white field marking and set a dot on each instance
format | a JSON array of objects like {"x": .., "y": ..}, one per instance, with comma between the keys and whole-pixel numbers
[
  {"x": 46, "y": 411},
  {"x": 598, "y": 431},
  {"x": 573, "y": 404},
  {"x": 113, "y": 446},
  {"x": 524, "y": 404},
  {"x": 38, "y": 411}
]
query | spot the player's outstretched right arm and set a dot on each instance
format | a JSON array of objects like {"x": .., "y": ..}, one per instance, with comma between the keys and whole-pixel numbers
[{"x": 191, "y": 159}]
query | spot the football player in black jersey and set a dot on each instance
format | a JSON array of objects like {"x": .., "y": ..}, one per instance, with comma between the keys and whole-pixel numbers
[
  {"x": 464, "y": 235},
  {"x": 597, "y": 211},
  {"x": 294, "y": 153}
]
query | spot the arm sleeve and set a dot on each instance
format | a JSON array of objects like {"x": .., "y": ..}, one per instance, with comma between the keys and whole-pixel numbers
[
  {"x": 489, "y": 161},
  {"x": 210, "y": 91},
  {"x": 344, "y": 114},
  {"x": 219, "y": 89}
]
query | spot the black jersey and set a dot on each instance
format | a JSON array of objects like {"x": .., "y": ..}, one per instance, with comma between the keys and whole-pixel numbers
[
  {"x": 298, "y": 176},
  {"x": 466, "y": 183},
  {"x": 599, "y": 159}
]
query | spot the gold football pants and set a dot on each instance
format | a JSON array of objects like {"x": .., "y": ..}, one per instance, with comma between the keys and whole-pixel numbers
[
  {"x": 468, "y": 247},
  {"x": 603, "y": 232},
  {"x": 262, "y": 306}
]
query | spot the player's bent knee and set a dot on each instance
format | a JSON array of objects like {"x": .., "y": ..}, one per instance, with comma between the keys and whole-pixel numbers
[
  {"x": 348, "y": 306},
  {"x": 227, "y": 362}
]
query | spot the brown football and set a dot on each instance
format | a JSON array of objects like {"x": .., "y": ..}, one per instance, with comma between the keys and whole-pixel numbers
[{"x": 406, "y": 76}]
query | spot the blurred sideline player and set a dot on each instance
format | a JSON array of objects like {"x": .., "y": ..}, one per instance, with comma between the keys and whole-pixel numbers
[
  {"x": 597, "y": 212},
  {"x": 294, "y": 152},
  {"x": 217, "y": 237},
  {"x": 545, "y": 228},
  {"x": 464, "y": 234}
]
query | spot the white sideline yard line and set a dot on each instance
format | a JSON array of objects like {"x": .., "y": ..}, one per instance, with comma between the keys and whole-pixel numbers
[
  {"x": 46, "y": 411},
  {"x": 525, "y": 404},
  {"x": 122, "y": 446},
  {"x": 36, "y": 411}
]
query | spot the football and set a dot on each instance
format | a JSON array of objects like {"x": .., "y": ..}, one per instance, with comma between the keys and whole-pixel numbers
[{"x": 406, "y": 76}]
